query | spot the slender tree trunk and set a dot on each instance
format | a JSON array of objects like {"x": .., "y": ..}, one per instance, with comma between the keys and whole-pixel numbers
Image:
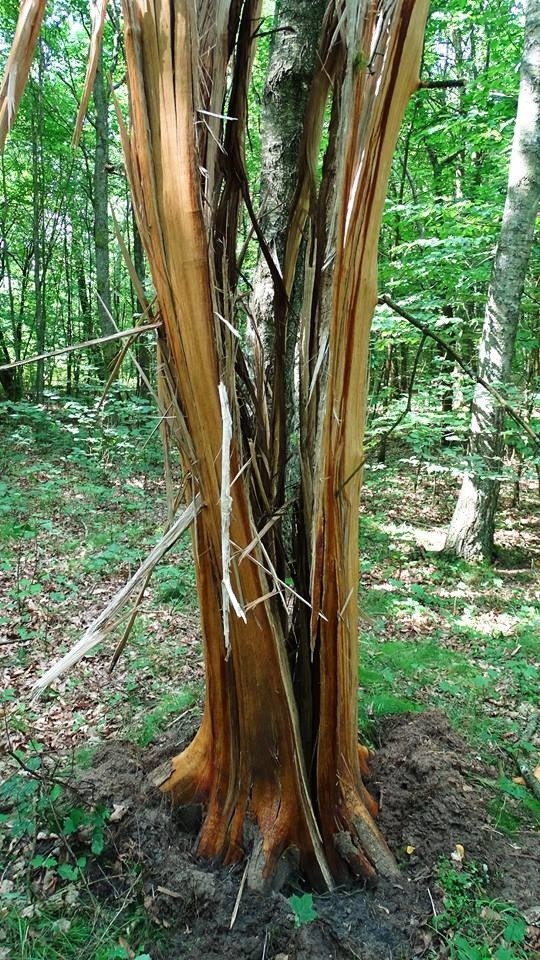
[
  {"x": 472, "y": 527},
  {"x": 7, "y": 379},
  {"x": 37, "y": 232},
  {"x": 293, "y": 54},
  {"x": 101, "y": 210},
  {"x": 143, "y": 351}
]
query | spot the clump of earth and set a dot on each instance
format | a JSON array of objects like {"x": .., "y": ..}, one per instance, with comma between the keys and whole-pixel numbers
[{"x": 432, "y": 804}]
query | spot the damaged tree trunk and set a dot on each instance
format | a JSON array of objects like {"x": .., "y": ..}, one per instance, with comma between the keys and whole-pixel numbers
[
  {"x": 248, "y": 765},
  {"x": 276, "y": 762}
]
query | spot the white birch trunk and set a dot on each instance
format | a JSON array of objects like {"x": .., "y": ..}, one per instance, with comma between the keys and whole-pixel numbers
[{"x": 472, "y": 526}]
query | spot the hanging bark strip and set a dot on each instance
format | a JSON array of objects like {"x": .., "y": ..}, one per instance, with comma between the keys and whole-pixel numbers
[
  {"x": 19, "y": 63},
  {"x": 246, "y": 762},
  {"x": 98, "y": 12},
  {"x": 378, "y": 101}
]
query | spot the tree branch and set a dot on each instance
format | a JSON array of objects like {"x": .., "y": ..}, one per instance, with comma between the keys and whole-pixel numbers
[
  {"x": 440, "y": 84},
  {"x": 133, "y": 332},
  {"x": 384, "y": 299}
]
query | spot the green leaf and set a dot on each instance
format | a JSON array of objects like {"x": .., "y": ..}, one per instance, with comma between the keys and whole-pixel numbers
[
  {"x": 303, "y": 908},
  {"x": 467, "y": 951},
  {"x": 515, "y": 931},
  {"x": 56, "y": 792},
  {"x": 40, "y": 861},
  {"x": 76, "y": 817},
  {"x": 98, "y": 842},
  {"x": 504, "y": 953}
]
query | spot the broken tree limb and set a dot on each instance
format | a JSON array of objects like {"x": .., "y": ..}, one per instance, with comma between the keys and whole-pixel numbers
[
  {"x": 98, "y": 12},
  {"x": 109, "y": 618},
  {"x": 385, "y": 300},
  {"x": 132, "y": 332}
]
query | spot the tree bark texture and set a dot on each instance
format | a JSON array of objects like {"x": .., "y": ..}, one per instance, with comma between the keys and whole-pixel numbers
[
  {"x": 261, "y": 788},
  {"x": 471, "y": 531},
  {"x": 293, "y": 57},
  {"x": 276, "y": 763},
  {"x": 293, "y": 54}
]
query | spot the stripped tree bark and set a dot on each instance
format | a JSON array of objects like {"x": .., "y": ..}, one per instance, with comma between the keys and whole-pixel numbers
[{"x": 276, "y": 762}]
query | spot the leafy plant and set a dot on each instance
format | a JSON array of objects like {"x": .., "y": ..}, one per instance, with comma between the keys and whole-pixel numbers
[
  {"x": 303, "y": 909},
  {"x": 474, "y": 926}
]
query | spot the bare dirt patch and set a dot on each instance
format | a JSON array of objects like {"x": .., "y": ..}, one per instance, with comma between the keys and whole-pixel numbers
[{"x": 432, "y": 800}]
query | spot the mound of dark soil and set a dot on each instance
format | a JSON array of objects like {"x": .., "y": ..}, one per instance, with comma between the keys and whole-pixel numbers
[{"x": 431, "y": 800}]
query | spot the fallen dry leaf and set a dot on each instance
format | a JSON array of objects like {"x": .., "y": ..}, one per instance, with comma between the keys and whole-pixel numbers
[
  {"x": 125, "y": 946},
  {"x": 50, "y": 880},
  {"x": 458, "y": 853},
  {"x": 119, "y": 811}
]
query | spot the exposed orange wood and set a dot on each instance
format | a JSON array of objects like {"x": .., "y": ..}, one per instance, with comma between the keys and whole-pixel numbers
[
  {"x": 19, "y": 62},
  {"x": 378, "y": 103},
  {"x": 99, "y": 12},
  {"x": 250, "y": 730}
]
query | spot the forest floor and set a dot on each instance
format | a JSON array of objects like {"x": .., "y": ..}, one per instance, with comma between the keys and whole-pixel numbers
[{"x": 93, "y": 864}]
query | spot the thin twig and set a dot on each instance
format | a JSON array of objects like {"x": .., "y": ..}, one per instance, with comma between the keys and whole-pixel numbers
[
  {"x": 239, "y": 897},
  {"x": 133, "y": 332},
  {"x": 511, "y": 411}
]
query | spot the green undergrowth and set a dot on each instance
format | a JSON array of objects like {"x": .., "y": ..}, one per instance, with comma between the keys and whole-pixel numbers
[
  {"x": 163, "y": 716},
  {"x": 56, "y": 861},
  {"x": 473, "y": 926},
  {"x": 463, "y": 638},
  {"x": 82, "y": 501}
]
